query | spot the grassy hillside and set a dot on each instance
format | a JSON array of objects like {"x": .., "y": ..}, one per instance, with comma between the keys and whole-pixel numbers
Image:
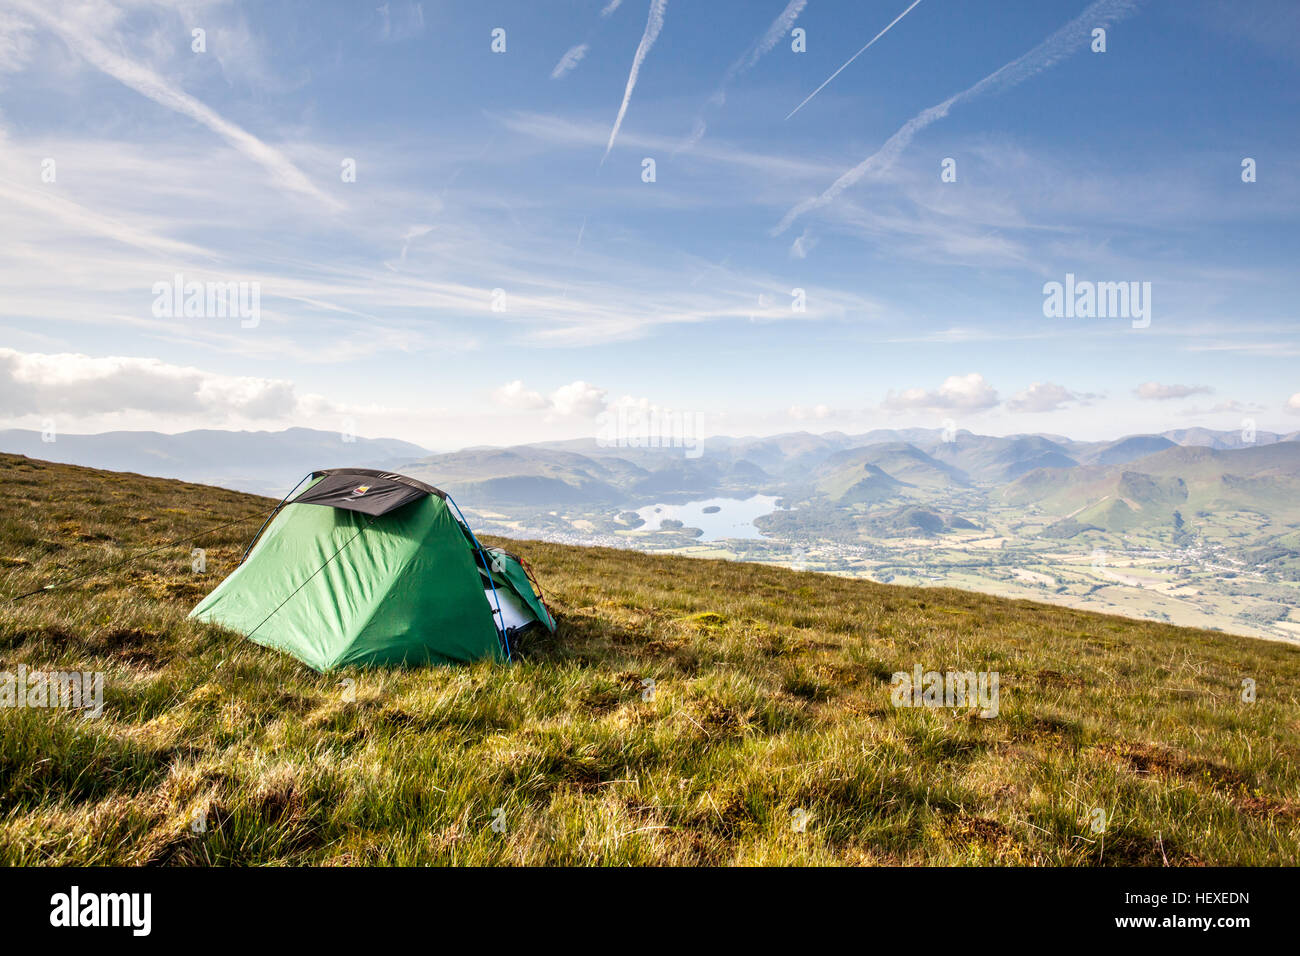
[
  {"x": 1262, "y": 479},
  {"x": 771, "y": 697}
]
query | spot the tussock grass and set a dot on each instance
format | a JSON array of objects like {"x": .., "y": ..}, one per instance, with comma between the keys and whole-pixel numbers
[{"x": 770, "y": 704}]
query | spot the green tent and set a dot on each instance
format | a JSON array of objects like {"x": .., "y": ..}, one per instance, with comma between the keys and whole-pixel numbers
[{"x": 373, "y": 568}]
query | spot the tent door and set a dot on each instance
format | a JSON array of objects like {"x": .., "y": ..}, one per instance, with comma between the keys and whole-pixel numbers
[{"x": 513, "y": 612}]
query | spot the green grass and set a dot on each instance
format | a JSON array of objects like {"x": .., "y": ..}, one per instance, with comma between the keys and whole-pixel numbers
[{"x": 771, "y": 695}]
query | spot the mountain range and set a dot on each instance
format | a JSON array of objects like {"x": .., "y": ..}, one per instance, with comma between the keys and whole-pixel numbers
[
  {"x": 261, "y": 462},
  {"x": 1193, "y": 526},
  {"x": 1085, "y": 481}
]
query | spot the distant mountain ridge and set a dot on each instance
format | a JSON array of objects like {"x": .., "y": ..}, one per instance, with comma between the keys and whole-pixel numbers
[
  {"x": 834, "y": 468},
  {"x": 1262, "y": 479},
  {"x": 260, "y": 462},
  {"x": 848, "y": 475}
]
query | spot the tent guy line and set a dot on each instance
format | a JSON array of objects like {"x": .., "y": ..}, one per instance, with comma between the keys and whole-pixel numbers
[{"x": 141, "y": 554}]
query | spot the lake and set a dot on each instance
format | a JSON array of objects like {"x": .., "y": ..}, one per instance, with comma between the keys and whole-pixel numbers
[{"x": 718, "y": 517}]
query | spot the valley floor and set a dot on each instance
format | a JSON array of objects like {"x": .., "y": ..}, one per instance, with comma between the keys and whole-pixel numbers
[{"x": 1198, "y": 585}]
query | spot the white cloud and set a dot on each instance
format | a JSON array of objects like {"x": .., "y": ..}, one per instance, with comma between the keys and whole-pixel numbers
[
  {"x": 803, "y": 245},
  {"x": 515, "y": 395},
  {"x": 15, "y": 43},
  {"x": 36, "y": 384},
  {"x": 1223, "y": 408},
  {"x": 813, "y": 412},
  {"x": 576, "y": 400},
  {"x": 89, "y": 394},
  {"x": 958, "y": 392},
  {"x": 1154, "y": 391},
  {"x": 1045, "y": 397},
  {"x": 572, "y": 57},
  {"x": 1293, "y": 404},
  {"x": 400, "y": 21},
  {"x": 768, "y": 167},
  {"x": 127, "y": 221},
  {"x": 579, "y": 399}
]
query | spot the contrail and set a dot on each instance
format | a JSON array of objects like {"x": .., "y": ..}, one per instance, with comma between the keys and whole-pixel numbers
[
  {"x": 574, "y": 54},
  {"x": 778, "y": 28},
  {"x": 148, "y": 83},
  {"x": 1047, "y": 54},
  {"x": 654, "y": 23},
  {"x": 572, "y": 57},
  {"x": 564, "y": 293},
  {"x": 854, "y": 57}
]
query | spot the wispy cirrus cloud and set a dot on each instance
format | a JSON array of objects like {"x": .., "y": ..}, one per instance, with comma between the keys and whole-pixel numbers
[
  {"x": 400, "y": 21},
  {"x": 564, "y": 131},
  {"x": 16, "y": 43},
  {"x": 1051, "y": 51},
  {"x": 1047, "y": 397},
  {"x": 82, "y": 220},
  {"x": 770, "y": 38},
  {"x": 575, "y": 54},
  {"x": 150, "y": 84},
  {"x": 802, "y": 245},
  {"x": 1231, "y": 406},
  {"x": 404, "y": 285},
  {"x": 1155, "y": 391},
  {"x": 572, "y": 57}
]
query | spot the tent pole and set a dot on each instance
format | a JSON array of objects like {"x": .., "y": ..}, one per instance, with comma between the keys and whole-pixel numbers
[
  {"x": 505, "y": 641},
  {"x": 273, "y": 513}
]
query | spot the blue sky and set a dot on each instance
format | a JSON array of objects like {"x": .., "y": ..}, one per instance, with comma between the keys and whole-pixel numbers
[{"x": 479, "y": 170}]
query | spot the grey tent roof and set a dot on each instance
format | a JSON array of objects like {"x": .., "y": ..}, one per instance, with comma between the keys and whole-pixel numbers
[{"x": 365, "y": 490}]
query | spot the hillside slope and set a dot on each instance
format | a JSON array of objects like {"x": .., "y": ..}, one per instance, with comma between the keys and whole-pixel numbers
[
  {"x": 771, "y": 705},
  {"x": 1262, "y": 478}
]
